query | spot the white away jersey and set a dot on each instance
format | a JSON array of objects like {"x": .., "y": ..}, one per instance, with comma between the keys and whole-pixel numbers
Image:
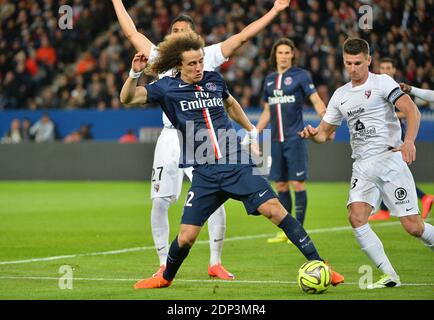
[
  {"x": 213, "y": 58},
  {"x": 370, "y": 114}
]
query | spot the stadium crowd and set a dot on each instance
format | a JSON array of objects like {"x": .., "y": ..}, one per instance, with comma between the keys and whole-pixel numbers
[{"x": 45, "y": 67}]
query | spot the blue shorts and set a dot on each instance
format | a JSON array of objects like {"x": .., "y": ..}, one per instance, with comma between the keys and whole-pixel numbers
[
  {"x": 289, "y": 160},
  {"x": 213, "y": 184}
]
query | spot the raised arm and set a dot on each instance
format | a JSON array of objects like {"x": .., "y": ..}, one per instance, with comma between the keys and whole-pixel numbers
[
  {"x": 412, "y": 114},
  {"x": 318, "y": 104},
  {"x": 424, "y": 94},
  {"x": 131, "y": 94},
  {"x": 230, "y": 45},
  {"x": 320, "y": 134},
  {"x": 138, "y": 40}
]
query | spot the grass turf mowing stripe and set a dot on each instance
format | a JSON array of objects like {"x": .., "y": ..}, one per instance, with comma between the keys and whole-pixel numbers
[{"x": 70, "y": 256}]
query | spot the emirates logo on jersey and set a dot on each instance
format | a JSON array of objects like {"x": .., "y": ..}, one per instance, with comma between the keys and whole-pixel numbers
[{"x": 367, "y": 94}]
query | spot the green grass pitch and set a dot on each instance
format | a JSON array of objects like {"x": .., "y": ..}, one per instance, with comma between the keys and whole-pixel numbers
[{"x": 102, "y": 230}]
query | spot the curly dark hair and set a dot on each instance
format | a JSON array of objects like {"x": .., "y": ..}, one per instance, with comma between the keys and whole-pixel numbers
[{"x": 170, "y": 51}]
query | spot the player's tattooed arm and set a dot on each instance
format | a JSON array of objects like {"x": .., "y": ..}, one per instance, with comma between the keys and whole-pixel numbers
[
  {"x": 230, "y": 45},
  {"x": 131, "y": 94},
  {"x": 140, "y": 42}
]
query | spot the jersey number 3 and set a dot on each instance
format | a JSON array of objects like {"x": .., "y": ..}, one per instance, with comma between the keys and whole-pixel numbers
[{"x": 354, "y": 183}]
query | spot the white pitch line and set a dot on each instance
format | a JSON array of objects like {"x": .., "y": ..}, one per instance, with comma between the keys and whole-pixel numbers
[
  {"x": 71, "y": 256},
  {"x": 193, "y": 280}
]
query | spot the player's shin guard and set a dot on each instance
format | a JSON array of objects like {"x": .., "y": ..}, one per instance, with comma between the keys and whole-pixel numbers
[
  {"x": 428, "y": 236},
  {"x": 299, "y": 237},
  {"x": 286, "y": 200},
  {"x": 300, "y": 205},
  {"x": 174, "y": 259}
]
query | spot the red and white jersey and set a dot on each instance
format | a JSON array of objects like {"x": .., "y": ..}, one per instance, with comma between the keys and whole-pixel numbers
[{"x": 370, "y": 113}]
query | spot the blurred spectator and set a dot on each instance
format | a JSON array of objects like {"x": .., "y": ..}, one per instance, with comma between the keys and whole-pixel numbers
[
  {"x": 128, "y": 137},
  {"x": 43, "y": 130},
  {"x": 35, "y": 54},
  {"x": 25, "y": 130},
  {"x": 85, "y": 132},
  {"x": 14, "y": 134},
  {"x": 73, "y": 137}
]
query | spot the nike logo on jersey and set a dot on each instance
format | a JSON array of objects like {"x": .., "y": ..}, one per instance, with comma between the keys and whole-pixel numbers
[
  {"x": 218, "y": 240},
  {"x": 262, "y": 193},
  {"x": 301, "y": 240},
  {"x": 343, "y": 102},
  {"x": 270, "y": 83},
  {"x": 299, "y": 173},
  {"x": 407, "y": 210},
  {"x": 159, "y": 249},
  {"x": 183, "y": 85}
]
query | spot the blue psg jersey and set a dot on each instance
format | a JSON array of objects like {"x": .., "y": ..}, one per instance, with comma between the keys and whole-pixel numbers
[
  {"x": 197, "y": 111},
  {"x": 285, "y": 94}
]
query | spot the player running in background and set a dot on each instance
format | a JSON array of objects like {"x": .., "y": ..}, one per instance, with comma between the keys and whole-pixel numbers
[
  {"x": 167, "y": 176},
  {"x": 380, "y": 169},
  {"x": 387, "y": 66},
  {"x": 284, "y": 93},
  {"x": 197, "y": 99}
]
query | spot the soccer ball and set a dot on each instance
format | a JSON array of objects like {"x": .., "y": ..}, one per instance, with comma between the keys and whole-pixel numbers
[{"x": 314, "y": 277}]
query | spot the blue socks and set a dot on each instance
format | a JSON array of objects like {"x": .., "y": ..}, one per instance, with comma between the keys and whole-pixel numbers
[
  {"x": 285, "y": 200},
  {"x": 174, "y": 259},
  {"x": 299, "y": 237},
  {"x": 300, "y": 205}
]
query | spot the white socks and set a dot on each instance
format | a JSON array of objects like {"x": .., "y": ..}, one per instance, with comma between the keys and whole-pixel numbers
[
  {"x": 216, "y": 230},
  {"x": 160, "y": 227},
  {"x": 428, "y": 236},
  {"x": 372, "y": 246}
]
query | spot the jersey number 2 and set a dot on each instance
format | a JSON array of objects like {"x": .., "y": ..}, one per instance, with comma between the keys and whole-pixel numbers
[{"x": 189, "y": 198}]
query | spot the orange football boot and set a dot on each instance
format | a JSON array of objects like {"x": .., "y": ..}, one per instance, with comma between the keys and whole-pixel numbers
[
  {"x": 152, "y": 283},
  {"x": 218, "y": 271}
]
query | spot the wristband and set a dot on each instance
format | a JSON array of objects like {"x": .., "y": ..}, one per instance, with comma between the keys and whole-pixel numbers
[{"x": 134, "y": 75}]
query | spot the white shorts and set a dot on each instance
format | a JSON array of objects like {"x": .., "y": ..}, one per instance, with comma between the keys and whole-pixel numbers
[
  {"x": 167, "y": 177},
  {"x": 384, "y": 177}
]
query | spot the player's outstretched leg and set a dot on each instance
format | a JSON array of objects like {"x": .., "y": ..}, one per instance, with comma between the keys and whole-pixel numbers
[
  {"x": 216, "y": 230},
  {"x": 273, "y": 210},
  {"x": 178, "y": 251},
  {"x": 371, "y": 245}
]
